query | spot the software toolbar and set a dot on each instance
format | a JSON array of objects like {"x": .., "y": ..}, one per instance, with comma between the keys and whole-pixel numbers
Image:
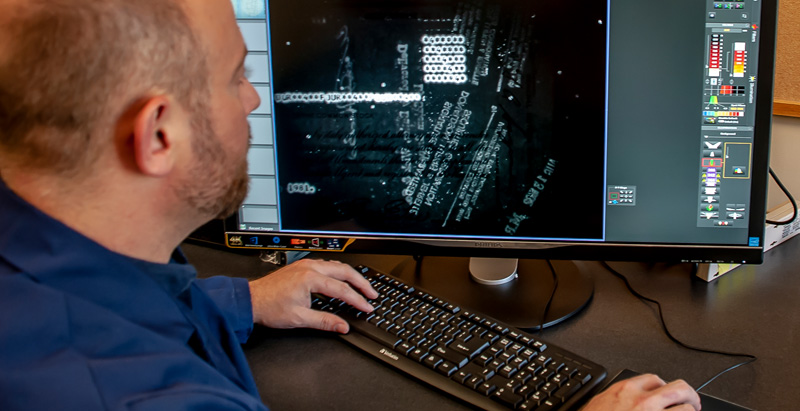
[{"x": 727, "y": 118}]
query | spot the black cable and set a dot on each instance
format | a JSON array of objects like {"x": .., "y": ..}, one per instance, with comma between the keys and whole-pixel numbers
[
  {"x": 750, "y": 357},
  {"x": 552, "y": 295},
  {"x": 418, "y": 265},
  {"x": 791, "y": 199}
]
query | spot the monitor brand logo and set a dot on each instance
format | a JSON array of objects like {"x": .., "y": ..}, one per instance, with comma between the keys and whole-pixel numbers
[
  {"x": 389, "y": 354},
  {"x": 488, "y": 244}
]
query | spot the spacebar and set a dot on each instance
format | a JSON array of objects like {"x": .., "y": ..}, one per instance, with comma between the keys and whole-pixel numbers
[{"x": 374, "y": 333}]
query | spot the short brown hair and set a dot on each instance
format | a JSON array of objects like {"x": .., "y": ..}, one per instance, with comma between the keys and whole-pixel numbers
[{"x": 72, "y": 67}]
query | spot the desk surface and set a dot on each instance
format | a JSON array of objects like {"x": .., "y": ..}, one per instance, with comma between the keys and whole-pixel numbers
[{"x": 754, "y": 310}]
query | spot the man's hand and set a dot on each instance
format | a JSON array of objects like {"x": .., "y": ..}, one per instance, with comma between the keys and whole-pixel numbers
[
  {"x": 646, "y": 393},
  {"x": 283, "y": 299}
]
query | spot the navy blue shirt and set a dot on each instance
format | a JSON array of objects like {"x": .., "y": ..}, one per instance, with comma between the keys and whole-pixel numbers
[{"x": 85, "y": 328}]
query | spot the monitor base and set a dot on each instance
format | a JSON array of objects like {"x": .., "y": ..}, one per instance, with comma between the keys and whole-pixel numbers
[
  {"x": 493, "y": 271},
  {"x": 520, "y": 302}
]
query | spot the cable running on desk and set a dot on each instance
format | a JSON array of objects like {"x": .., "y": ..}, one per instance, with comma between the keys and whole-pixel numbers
[{"x": 751, "y": 358}]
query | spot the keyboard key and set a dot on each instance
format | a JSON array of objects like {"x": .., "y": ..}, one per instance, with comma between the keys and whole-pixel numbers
[
  {"x": 538, "y": 397},
  {"x": 403, "y": 347},
  {"x": 470, "y": 348},
  {"x": 416, "y": 340},
  {"x": 507, "y": 397},
  {"x": 376, "y": 319},
  {"x": 495, "y": 365},
  {"x": 543, "y": 360},
  {"x": 378, "y": 335},
  {"x": 487, "y": 374},
  {"x": 427, "y": 345},
  {"x": 418, "y": 354},
  {"x": 500, "y": 382},
  {"x": 567, "y": 390},
  {"x": 387, "y": 326},
  {"x": 518, "y": 362},
  {"x": 525, "y": 391},
  {"x": 490, "y": 337},
  {"x": 486, "y": 388},
  {"x": 432, "y": 361},
  {"x": 528, "y": 354},
  {"x": 503, "y": 343},
  {"x": 558, "y": 379},
  {"x": 500, "y": 329},
  {"x": 583, "y": 377},
  {"x": 523, "y": 376},
  {"x": 507, "y": 371},
  {"x": 473, "y": 382},
  {"x": 569, "y": 371},
  {"x": 512, "y": 385},
  {"x": 446, "y": 368},
  {"x": 505, "y": 357},
  {"x": 473, "y": 369},
  {"x": 483, "y": 359},
  {"x": 548, "y": 388},
  {"x": 548, "y": 404},
  {"x": 536, "y": 382},
  {"x": 515, "y": 348},
  {"x": 461, "y": 376},
  {"x": 451, "y": 355},
  {"x": 556, "y": 366}
]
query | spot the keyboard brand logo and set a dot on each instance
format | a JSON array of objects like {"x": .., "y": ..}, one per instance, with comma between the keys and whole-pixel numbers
[{"x": 389, "y": 354}]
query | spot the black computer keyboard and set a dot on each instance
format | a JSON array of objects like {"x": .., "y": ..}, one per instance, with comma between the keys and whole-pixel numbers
[{"x": 477, "y": 359}]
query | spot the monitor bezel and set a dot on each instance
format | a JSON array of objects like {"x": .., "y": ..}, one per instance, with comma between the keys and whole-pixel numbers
[{"x": 591, "y": 250}]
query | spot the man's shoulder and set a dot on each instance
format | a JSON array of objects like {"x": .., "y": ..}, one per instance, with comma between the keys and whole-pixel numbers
[
  {"x": 26, "y": 304},
  {"x": 41, "y": 321},
  {"x": 36, "y": 343},
  {"x": 35, "y": 321},
  {"x": 58, "y": 348}
]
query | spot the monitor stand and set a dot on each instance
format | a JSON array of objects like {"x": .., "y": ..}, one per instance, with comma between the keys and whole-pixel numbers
[
  {"x": 517, "y": 298},
  {"x": 493, "y": 271}
]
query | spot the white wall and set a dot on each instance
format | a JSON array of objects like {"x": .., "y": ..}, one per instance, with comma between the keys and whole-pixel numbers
[{"x": 785, "y": 158}]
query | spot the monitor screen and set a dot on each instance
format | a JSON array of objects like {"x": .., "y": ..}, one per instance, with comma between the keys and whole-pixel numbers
[{"x": 618, "y": 130}]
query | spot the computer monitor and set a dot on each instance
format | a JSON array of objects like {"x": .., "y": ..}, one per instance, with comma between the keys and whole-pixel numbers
[{"x": 612, "y": 130}]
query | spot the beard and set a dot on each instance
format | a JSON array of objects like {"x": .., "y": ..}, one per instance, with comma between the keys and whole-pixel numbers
[
  {"x": 215, "y": 185},
  {"x": 235, "y": 191}
]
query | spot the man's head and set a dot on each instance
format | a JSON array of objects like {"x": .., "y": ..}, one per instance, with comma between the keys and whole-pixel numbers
[
  {"x": 71, "y": 67},
  {"x": 82, "y": 81}
]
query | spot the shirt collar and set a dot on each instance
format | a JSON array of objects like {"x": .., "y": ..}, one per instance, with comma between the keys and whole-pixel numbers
[{"x": 175, "y": 277}]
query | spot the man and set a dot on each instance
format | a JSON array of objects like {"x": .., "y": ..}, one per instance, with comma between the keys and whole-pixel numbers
[{"x": 123, "y": 127}]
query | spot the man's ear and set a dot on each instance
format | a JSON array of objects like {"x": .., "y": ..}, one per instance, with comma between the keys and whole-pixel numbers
[{"x": 156, "y": 130}]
